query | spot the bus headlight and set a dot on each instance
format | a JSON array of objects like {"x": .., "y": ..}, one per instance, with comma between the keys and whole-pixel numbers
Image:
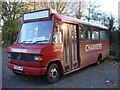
[{"x": 38, "y": 58}]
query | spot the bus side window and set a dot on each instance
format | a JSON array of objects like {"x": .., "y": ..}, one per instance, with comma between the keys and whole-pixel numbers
[
  {"x": 95, "y": 34},
  {"x": 103, "y": 35},
  {"x": 85, "y": 32},
  {"x": 57, "y": 37}
]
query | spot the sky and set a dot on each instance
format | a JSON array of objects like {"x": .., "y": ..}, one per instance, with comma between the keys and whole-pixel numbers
[{"x": 110, "y": 6}]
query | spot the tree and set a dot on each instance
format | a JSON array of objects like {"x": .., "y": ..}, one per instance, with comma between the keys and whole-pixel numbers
[
  {"x": 93, "y": 12},
  {"x": 77, "y": 9},
  {"x": 60, "y": 7},
  {"x": 11, "y": 14},
  {"x": 73, "y": 9},
  {"x": 109, "y": 21}
]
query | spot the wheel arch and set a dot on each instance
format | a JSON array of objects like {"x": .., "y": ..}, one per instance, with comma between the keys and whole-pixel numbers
[
  {"x": 58, "y": 62},
  {"x": 101, "y": 56}
]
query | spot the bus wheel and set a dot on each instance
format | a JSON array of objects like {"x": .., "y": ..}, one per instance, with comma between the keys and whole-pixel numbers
[
  {"x": 53, "y": 73},
  {"x": 99, "y": 60}
]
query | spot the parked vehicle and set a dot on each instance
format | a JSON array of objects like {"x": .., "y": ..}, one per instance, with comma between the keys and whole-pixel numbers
[{"x": 54, "y": 45}]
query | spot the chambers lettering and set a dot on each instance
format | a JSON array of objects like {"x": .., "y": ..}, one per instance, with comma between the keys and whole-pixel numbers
[{"x": 92, "y": 47}]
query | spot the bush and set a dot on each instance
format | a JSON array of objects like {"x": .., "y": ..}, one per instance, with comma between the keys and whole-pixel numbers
[
  {"x": 114, "y": 45},
  {"x": 114, "y": 52}
]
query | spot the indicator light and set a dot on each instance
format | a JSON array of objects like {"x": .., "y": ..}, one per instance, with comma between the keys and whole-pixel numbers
[{"x": 38, "y": 58}]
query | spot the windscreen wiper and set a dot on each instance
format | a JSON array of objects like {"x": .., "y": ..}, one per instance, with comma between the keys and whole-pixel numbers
[
  {"x": 25, "y": 41},
  {"x": 40, "y": 41}
]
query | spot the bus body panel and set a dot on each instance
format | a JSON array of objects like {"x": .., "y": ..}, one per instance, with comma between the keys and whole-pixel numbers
[
  {"x": 90, "y": 57},
  {"x": 28, "y": 70},
  {"x": 29, "y": 48},
  {"x": 50, "y": 52}
]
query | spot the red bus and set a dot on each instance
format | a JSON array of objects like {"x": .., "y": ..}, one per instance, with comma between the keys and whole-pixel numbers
[{"x": 54, "y": 45}]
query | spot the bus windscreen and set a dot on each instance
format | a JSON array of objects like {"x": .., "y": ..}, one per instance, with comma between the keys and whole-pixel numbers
[{"x": 36, "y": 32}]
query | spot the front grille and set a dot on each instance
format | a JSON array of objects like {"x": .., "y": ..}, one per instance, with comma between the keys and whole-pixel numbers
[{"x": 23, "y": 57}]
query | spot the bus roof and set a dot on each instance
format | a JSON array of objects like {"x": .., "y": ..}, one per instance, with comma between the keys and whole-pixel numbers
[
  {"x": 61, "y": 17},
  {"x": 67, "y": 19}
]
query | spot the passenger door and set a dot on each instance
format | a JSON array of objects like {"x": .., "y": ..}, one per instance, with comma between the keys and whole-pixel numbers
[{"x": 71, "y": 51}]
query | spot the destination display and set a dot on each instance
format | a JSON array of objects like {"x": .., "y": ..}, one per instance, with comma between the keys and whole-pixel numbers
[{"x": 36, "y": 15}]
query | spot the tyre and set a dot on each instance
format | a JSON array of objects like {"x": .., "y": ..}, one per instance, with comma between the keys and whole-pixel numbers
[
  {"x": 99, "y": 60},
  {"x": 53, "y": 73}
]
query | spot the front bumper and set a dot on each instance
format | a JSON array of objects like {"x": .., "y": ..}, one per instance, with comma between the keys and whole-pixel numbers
[{"x": 28, "y": 70}]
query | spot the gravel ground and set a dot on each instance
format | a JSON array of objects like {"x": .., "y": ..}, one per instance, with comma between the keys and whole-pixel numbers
[{"x": 104, "y": 75}]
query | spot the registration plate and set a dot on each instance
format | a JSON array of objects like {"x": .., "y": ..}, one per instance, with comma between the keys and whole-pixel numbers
[{"x": 18, "y": 67}]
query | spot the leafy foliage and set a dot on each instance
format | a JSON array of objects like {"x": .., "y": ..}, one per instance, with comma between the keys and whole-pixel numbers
[
  {"x": 73, "y": 9},
  {"x": 60, "y": 7},
  {"x": 115, "y": 46},
  {"x": 11, "y": 14},
  {"x": 93, "y": 12},
  {"x": 109, "y": 21}
]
